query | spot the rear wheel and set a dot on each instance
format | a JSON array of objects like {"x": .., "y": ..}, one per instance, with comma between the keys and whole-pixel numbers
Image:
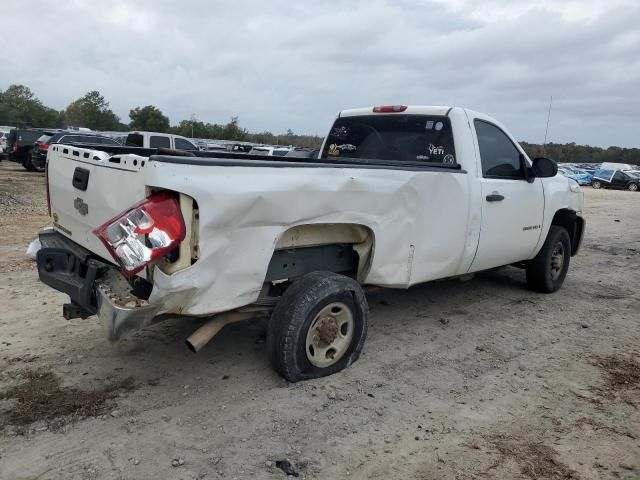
[
  {"x": 547, "y": 271},
  {"x": 29, "y": 164},
  {"x": 318, "y": 327},
  {"x": 633, "y": 187},
  {"x": 596, "y": 184}
]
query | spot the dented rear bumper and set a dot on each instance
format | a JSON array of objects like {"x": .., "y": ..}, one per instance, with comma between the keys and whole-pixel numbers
[
  {"x": 94, "y": 286},
  {"x": 119, "y": 310}
]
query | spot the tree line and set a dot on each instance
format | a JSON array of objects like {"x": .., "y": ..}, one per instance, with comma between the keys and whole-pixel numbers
[
  {"x": 20, "y": 107},
  {"x": 572, "y": 153}
]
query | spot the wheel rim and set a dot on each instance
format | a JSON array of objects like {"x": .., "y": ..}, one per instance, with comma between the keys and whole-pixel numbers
[
  {"x": 329, "y": 335},
  {"x": 596, "y": 184},
  {"x": 557, "y": 261},
  {"x": 633, "y": 187}
]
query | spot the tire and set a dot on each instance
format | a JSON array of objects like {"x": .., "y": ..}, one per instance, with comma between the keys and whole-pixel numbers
[
  {"x": 30, "y": 165},
  {"x": 547, "y": 271},
  {"x": 633, "y": 187},
  {"x": 318, "y": 304},
  {"x": 596, "y": 184}
]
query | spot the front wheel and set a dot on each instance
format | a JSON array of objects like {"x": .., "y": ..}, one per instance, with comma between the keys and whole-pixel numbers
[
  {"x": 596, "y": 184},
  {"x": 318, "y": 327},
  {"x": 633, "y": 187},
  {"x": 547, "y": 271}
]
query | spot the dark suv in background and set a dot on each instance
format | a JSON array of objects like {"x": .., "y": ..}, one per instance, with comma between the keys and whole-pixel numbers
[
  {"x": 20, "y": 143},
  {"x": 41, "y": 147}
]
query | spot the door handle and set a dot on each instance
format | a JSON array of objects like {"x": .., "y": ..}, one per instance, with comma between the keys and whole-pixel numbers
[{"x": 495, "y": 197}]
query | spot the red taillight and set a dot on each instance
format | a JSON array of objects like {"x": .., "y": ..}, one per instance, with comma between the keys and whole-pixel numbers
[
  {"x": 14, "y": 147},
  {"x": 43, "y": 146},
  {"x": 389, "y": 109},
  {"x": 144, "y": 233}
]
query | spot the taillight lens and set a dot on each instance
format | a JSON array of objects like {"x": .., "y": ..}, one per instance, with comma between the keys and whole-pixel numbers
[
  {"x": 43, "y": 146},
  {"x": 389, "y": 109},
  {"x": 144, "y": 233}
]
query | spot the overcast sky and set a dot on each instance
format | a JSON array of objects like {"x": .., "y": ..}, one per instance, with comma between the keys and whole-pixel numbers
[{"x": 294, "y": 64}]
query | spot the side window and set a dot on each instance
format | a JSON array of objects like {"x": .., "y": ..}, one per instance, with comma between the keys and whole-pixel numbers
[
  {"x": 182, "y": 144},
  {"x": 620, "y": 176},
  {"x": 159, "y": 142},
  {"x": 499, "y": 156}
]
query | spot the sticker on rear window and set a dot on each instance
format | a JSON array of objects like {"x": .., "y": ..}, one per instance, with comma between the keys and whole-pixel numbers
[
  {"x": 340, "y": 132},
  {"x": 433, "y": 150}
]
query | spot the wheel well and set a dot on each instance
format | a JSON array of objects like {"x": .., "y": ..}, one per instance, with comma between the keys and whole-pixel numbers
[
  {"x": 573, "y": 224},
  {"x": 338, "y": 247}
]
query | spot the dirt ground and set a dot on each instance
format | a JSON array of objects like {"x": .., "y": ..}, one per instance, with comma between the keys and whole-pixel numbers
[{"x": 458, "y": 380}]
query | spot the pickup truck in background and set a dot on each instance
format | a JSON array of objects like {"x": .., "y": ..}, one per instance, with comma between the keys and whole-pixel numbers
[
  {"x": 398, "y": 196},
  {"x": 159, "y": 140}
]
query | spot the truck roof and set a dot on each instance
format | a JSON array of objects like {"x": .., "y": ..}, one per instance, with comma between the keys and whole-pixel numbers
[{"x": 401, "y": 109}]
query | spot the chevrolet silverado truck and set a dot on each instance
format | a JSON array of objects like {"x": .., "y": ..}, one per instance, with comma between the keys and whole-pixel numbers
[{"x": 398, "y": 196}]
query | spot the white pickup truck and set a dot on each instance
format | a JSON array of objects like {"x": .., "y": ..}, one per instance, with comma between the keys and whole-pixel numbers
[{"x": 399, "y": 196}]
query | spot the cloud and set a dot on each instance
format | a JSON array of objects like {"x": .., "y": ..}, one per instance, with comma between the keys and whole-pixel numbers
[{"x": 280, "y": 65}]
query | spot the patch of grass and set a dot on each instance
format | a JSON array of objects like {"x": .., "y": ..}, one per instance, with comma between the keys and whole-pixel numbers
[
  {"x": 42, "y": 397},
  {"x": 536, "y": 460},
  {"x": 621, "y": 372}
]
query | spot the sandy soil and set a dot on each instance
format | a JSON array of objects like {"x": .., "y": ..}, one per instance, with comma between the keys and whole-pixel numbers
[{"x": 458, "y": 380}]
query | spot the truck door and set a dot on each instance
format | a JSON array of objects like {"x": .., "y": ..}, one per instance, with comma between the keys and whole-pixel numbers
[{"x": 512, "y": 208}]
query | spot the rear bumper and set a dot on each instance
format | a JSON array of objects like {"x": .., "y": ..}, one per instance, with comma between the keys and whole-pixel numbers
[{"x": 94, "y": 286}]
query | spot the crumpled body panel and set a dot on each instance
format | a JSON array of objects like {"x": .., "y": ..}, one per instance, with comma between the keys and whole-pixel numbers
[{"x": 418, "y": 220}]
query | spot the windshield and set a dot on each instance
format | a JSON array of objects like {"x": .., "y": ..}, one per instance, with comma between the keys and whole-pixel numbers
[{"x": 401, "y": 138}]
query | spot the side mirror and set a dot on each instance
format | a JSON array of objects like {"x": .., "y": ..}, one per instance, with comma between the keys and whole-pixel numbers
[{"x": 544, "y": 167}]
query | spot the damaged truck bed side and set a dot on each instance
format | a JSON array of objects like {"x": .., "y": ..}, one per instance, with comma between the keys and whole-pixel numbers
[{"x": 399, "y": 196}]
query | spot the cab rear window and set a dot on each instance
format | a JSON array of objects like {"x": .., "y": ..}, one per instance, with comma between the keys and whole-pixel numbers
[{"x": 399, "y": 138}]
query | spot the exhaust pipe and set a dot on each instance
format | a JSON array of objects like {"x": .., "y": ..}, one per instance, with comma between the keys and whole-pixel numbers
[{"x": 206, "y": 332}]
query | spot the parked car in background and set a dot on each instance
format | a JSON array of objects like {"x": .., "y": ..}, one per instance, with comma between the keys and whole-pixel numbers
[
  {"x": 3, "y": 142},
  {"x": 120, "y": 137},
  {"x": 240, "y": 147},
  {"x": 262, "y": 150},
  {"x": 271, "y": 151},
  {"x": 21, "y": 142},
  {"x": 73, "y": 137},
  {"x": 580, "y": 176},
  {"x": 583, "y": 177},
  {"x": 618, "y": 179},
  {"x": 214, "y": 147},
  {"x": 159, "y": 140},
  {"x": 281, "y": 151},
  {"x": 303, "y": 153}
]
